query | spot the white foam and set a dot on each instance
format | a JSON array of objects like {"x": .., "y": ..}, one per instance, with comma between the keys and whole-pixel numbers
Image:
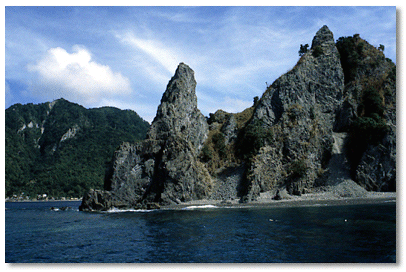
[
  {"x": 116, "y": 210},
  {"x": 200, "y": 207}
]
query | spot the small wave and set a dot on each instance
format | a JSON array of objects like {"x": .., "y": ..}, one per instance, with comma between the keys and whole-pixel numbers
[
  {"x": 200, "y": 207},
  {"x": 116, "y": 210}
]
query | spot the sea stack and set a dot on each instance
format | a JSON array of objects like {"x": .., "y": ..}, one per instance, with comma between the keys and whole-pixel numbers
[{"x": 164, "y": 168}]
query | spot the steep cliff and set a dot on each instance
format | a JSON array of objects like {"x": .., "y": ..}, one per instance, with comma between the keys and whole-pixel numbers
[
  {"x": 298, "y": 111},
  {"x": 303, "y": 135},
  {"x": 178, "y": 113},
  {"x": 368, "y": 113},
  {"x": 164, "y": 168}
]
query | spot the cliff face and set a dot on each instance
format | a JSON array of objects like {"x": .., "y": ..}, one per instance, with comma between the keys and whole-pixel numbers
[
  {"x": 164, "y": 168},
  {"x": 368, "y": 113},
  {"x": 299, "y": 109},
  {"x": 178, "y": 113},
  {"x": 287, "y": 140}
]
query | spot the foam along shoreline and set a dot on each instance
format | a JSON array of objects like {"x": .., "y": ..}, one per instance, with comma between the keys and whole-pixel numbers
[
  {"x": 117, "y": 210},
  {"x": 306, "y": 200},
  {"x": 313, "y": 199}
]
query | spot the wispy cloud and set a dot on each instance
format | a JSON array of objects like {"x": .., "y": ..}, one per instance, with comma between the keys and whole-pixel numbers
[
  {"x": 21, "y": 47},
  {"x": 153, "y": 49},
  {"x": 234, "y": 51}
]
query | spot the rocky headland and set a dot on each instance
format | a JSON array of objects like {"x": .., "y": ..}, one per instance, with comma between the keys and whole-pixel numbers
[{"x": 324, "y": 130}]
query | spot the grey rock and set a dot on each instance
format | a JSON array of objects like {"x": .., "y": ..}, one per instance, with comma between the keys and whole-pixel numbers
[
  {"x": 163, "y": 168},
  {"x": 230, "y": 130},
  {"x": 300, "y": 108},
  {"x": 324, "y": 37},
  {"x": 377, "y": 169},
  {"x": 336, "y": 178},
  {"x": 180, "y": 174},
  {"x": 228, "y": 184},
  {"x": 338, "y": 168},
  {"x": 304, "y": 115},
  {"x": 178, "y": 112},
  {"x": 281, "y": 194},
  {"x": 219, "y": 116},
  {"x": 266, "y": 171},
  {"x": 96, "y": 200},
  {"x": 345, "y": 115}
]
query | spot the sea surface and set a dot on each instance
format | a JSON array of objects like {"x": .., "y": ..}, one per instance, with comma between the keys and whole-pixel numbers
[{"x": 35, "y": 233}]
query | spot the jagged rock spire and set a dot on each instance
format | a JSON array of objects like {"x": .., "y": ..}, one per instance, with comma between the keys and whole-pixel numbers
[
  {"x": 183, "y": 83},
  {"x": 178, "y": 112},
  {"x": 323, "y": 35}
]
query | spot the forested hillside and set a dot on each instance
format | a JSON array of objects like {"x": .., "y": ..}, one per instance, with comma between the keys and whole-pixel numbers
[{"x": 61, "y": 149}]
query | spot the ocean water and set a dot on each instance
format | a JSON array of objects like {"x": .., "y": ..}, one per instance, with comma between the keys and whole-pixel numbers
[{"x": 312, "y": 234}]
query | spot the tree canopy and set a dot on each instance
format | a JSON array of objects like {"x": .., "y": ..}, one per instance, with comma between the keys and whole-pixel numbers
[{"x": 42, "y": 157}]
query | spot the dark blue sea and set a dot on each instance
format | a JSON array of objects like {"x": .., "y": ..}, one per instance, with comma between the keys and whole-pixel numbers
[{"x": 312, "y": 234}]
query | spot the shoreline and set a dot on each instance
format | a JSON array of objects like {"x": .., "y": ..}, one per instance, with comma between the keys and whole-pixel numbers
[
  {"x": 305, "y": 200},
  {"x": 314, "y": 199},
  {"x": 52, "y": 200}
]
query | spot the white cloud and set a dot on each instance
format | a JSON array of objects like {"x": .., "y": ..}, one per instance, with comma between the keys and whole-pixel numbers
[
  {"x": 232, "y": 54},
  {"x": 154, "y": 49},
  {"x": 75, "y": 76}
]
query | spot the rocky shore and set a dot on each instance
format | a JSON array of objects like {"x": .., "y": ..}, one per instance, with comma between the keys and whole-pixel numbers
[
  {"x": 311, "y": 199},
  {"x": 42, "y": 200}
]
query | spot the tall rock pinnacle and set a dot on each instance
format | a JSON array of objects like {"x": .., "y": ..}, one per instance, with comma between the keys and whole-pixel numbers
[
  {"x": 178, "y": 112},
  {"x": 164, "y": 168},
  {"x": 324, "y": 35}
]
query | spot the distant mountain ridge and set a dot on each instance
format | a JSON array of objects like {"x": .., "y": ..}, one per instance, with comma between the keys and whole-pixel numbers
[{"x": 61, "y": 149}]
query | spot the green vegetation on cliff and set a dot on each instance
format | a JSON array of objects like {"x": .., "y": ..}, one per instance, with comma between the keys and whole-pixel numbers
[
  {"x": 370, "y": 85},
  {"x": 252, "y": 138},
  {"x": 61, "y": 148}
]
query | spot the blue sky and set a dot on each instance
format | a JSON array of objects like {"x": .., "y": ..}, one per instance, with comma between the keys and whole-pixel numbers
[{"x": 125, "y": 56}]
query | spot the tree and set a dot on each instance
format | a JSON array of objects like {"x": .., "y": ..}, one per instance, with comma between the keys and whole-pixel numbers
[
  {"x": 381, "y": 47},
  {"x": 219, "y": 144},
  {"x": 256, "y": 99},
  {"x": 303, "y": 49}
]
